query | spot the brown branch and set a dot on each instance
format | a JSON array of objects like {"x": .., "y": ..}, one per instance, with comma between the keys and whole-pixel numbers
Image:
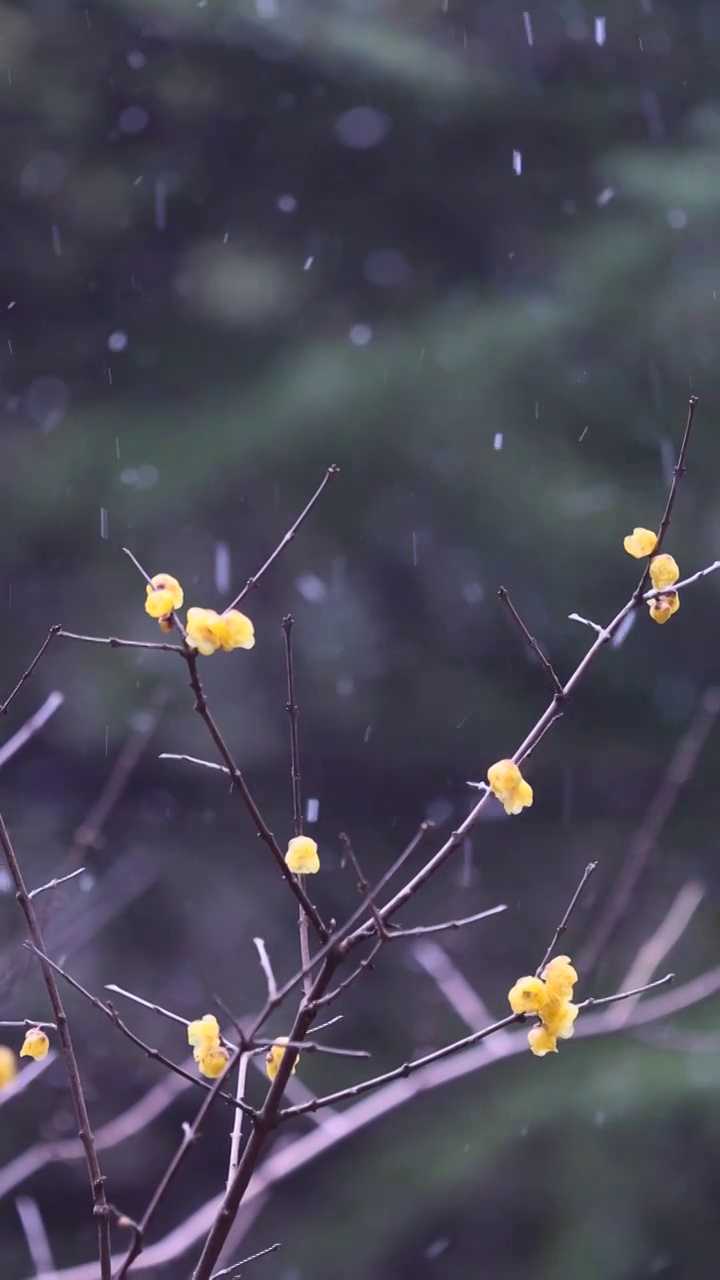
[
  {"x": 352, "y": 977},
  {"x": 587, "y": 873},
  {"x": 286, "y": 1161},
  {"x": 545, "y": 663},
  {"x": 115, "y": 643},
  {"x": 407, "y": 1068},
  {"x": 292, "y": 710},
  {"x": 539, "y": 728},
  {"x": 154, "y": 1054},
  {"x": 678, "y": 473},
  {"x": 97, "y": 1181},
  {"x": 287, "y": 538},
  {"x": 27, "y": 674},
  {"x": 423, "y": 929},
  {"x": 238, "y": 779},
  {"x": 677, "y": 774},
  {"x": 362, "y": 884}
]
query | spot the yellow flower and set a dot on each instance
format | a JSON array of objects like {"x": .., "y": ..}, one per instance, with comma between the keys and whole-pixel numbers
[
  {"x": 163, "y": 595},
  {"x": 302, "y": 856},
  {"x": 274, "y": 1057},
  {"x": 8, "y": 1066},
  {"x": 664, "y": 571},
  {"x": 35, "y": 1044},
  {"x": 237, "y": 631},
  {"x": 204, "y": 1033},
  {"x": 528, "y": 995},
  {"x": 560, "y": 977},
  {"x": 664, "y": 606},
  {"x": 205, "y": 630},
  {"x": 561, "y": 1021},
  {"x": 507, "y": 783},
  {"x": 640, "y": 543},
  {"x": 211, "y": 1061},
  {"x": 541, "y": 1042}
]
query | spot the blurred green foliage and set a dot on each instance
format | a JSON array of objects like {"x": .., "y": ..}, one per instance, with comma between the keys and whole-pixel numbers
[{"x": 467, "y": 252}]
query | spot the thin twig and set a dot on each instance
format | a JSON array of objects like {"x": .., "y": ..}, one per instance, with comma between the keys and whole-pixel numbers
[
  {"x": 97, "y": 1181},
  {"x": 207, "y": 764},
  {"x": 26, "y": 675},
  {"x": 589, "y": 870},
  {"x": 423, "y": 929},
  {"x": 266, "y": 966},
  {"x": 685, "y": 582},
  {"x": 233, "y": 1270},
  {"x": 236, "y": 1135},
  {"x": 545, "y": 663},
  {"x": 352, "y": 977},
  {"x": 53, "y": 884},
  {"x": 676, "y": 776},
  {"x": 30, "y": 1022},
  {"x": 111, "y": 1012},
  {"x": 292, "y": 710},
  {"x": 287, "y": 538},
  {"x": 115, "y": 643},
  {"x": 238, "y": 779},
  {"x": 678, "y": 473},
  {"x": 52, "y": 703},
  {"x": 362, "y": 883}
]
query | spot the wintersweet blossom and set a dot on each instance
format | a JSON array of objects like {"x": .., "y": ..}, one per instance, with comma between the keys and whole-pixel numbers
[
  {"x": 560, "y": 977},
  {"x": 541, "y": 1042},
  {"x": 663, "y": 607},
  {"x": 211, "y": 1061},
  {"x": 237, "y": 631},
  {"x": 8, "y": 1066},
  {"x": 274, "y": 1057},
  {"x": 163, "y": 595},
  {"x": 35, "y": 1045},
  {"x": 664, "y": 571},
  {"x": 528, "y": 995},
  {"x": 640, "y": 543},
  {"x": 204, "y": 1032},
  {"x": 507, "y": 783},
  {"x": 208, "y": 631},
  {"x": 560, "y": 1020},
  {"x": 550, "y": 997},
  {"x": 302, "y": 856},
  {"x": 204, "y": 629}
]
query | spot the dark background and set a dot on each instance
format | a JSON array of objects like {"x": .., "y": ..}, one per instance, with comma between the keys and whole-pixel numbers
[{"x": 468, "y": 252}]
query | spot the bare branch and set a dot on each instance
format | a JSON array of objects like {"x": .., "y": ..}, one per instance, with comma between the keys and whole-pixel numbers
[
  {"x": 207, "y": 764},
  {"x": 266, "y": 966},
  {"x": 54, "y": 884},
  {"x": 97, "y": 1182},
  {"x": 233, "y": 1270},
  {"x": 287, "y": 538},
  {"x": 456, "y": 989},
  {"x": 238, "y": 779},
  {"x": 292, "y": 710},
  {"x": 678, "y": 473},
  {"x": 589, "y": 870},
  {"x": 545, "y": 663},
  {"x": 115, "y": 643},
  {"x": 27, "y": 674},
  {"x": 423, "y": 929},
  {"x": 653, "y": 952}
]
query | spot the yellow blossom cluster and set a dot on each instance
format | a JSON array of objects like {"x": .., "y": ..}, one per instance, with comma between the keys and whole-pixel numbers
[
  {"x": 206, "y": 630},
  {"x": 35, "y": 1045},
  {"x": 274, "y": 1057},
  {"x": 209, "y": 1053},
  {"x": 664, "y": 573},
  {"x": 302, "y": 856},
  {"x": 507, "y": 783},
  {"x": 550, "y": 997}
]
